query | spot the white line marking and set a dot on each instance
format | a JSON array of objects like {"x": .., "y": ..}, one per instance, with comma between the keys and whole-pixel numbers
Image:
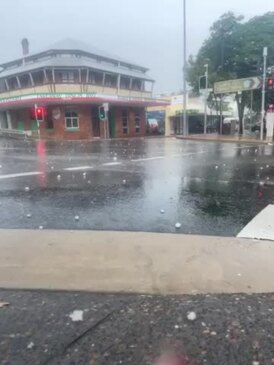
[
  {"x": 32, "y": 173},
  {"x": 111, "y": 163},
  {"x": 78, "y": 168},
  {"x": 148, "y": 159}
]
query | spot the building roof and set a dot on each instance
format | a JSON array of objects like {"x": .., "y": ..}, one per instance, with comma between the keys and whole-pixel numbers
[
  {"x": 72, "y": 62},
  {"x": 73, "y": 44},
  {"x": 69, "y": 44}
]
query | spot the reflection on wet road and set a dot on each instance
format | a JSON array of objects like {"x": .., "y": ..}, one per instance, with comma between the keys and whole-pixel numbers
[{"x": 139, "y": 185}]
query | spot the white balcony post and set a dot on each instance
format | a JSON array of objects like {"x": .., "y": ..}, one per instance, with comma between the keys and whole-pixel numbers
[
  {"x": 7, "y": 84},
  {"x": 31, "y": 79},
  {"x": 18, "y": 82},
  {"x": 9, "y": 119}
]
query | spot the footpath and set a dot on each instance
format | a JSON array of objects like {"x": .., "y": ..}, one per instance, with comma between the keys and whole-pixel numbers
[
  {"x": 225, "y": 138},
  {"x": 90, "y": 297}
]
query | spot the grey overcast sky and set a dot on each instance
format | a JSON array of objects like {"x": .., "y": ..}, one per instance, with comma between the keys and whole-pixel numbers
[{"x": 147, "y": 32}]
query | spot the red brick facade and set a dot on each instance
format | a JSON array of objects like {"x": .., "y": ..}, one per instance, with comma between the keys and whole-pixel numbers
[{"x": 123, "y": 122}]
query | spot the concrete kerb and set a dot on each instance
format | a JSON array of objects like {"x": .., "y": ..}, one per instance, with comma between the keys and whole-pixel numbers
[
  {"x": 224, "y": 140},
  {"x": 134, "y": 262}
]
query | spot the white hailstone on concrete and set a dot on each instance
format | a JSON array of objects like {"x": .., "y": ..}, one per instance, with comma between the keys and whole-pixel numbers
[
  {"x": 162, "y": 211},
  {"x": 216, "y": 167},
  {"x": 28, "y": 215},
  {"x": 114, "y": 158},
  {"x": 124, "y": 181},
  {"x": 58, "y": 177},
  {"x": 52, "y": 167},
  {"x": 261, "y": 183},
  {"x": 268, "y": 178},
  {"x": 191, "y": 316},
  {"x": 41, "y": 227},
  {"x": 256, "y": 151},
  {"x": 0, "y": 166},
  {"x": 27, "y": 188},
  {"x": 213, "y": 333},
  {"x": 267, "y": 166},
  {"x": 76, "y": 315},
  {"x": 89, "y": 182},
  {"x": 30, "y": 345},
  {"x": 178, "y": 225},
  {"x": 76, "y": 217},
  {"x": 176, "y": 326}
]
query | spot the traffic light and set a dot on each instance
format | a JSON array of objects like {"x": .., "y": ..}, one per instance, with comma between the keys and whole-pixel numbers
[
  {"x": 270, "y": 84},
  {"x": 38, "y": 113},
  {"x": 102, "y": 113}
]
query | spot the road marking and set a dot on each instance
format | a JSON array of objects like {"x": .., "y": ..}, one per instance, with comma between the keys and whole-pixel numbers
[
  {"x": 148, "y": 158},
  {"x": 111, "y": 163},
  {"x": 78, "y": 168},
  {"x": 32, "y": 173}
]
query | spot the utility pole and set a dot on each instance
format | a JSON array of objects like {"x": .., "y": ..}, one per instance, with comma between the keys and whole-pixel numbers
[
  {"x": 184, "y": 74},
  {"x": 221, "y": 114},
  {"x": 263, "y": 94},
  {"x": 251, "y": 107},
  {"x": 206, "y": 87}
]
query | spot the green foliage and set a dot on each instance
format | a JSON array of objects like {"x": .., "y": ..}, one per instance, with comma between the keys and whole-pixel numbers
[{"x": 234, "y": 50}]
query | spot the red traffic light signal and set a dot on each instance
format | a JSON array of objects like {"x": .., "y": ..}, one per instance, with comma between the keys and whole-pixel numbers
[
  {"x": 270, "y": 84},
  {"x": 38, "y": 113}
]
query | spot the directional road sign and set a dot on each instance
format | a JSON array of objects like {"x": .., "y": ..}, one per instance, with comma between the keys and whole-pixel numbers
[{"x": 232, "y": 86}]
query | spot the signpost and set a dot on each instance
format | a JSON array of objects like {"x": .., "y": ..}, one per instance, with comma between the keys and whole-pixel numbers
[
  {"x": 270, "y": 123},
  {"x": 233, "y": 86}
]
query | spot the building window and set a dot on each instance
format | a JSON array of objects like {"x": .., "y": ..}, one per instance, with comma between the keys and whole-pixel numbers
[
  {"x": 124, "y": 82},
  {"x": 125, "y": 121},
  {"x": 137, "y": 122},
  {"x": 136, "y": 84},
  {"x": 71, "y": 119},
  {"x": 111, "y": 80},
  {"x": 95, "y": 78},
  {"x": 65, "y": 76},
  {"x": 38, "y": 77}
]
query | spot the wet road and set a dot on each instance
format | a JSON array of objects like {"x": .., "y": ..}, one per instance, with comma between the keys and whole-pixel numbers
[{"x": 138, "y": 185}]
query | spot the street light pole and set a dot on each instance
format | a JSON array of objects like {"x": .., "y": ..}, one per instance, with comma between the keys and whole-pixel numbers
[
  {"x": 263, "y": 94},
  {"x": 184, "y": 75},
  {"x": 206, "y": 87}
]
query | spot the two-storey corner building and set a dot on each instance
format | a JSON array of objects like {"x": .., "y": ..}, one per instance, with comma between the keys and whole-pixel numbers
[{"x": 57, "y": 92}]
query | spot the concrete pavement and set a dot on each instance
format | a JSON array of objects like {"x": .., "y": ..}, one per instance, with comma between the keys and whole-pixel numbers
[{"x": 134, "y": 262}]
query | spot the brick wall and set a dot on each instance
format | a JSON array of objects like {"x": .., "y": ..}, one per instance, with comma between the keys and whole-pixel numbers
[
  {"x": 131, "y": 112},
  {"x": 55, "y": 116},
  {"x": 59, "y": 131}
]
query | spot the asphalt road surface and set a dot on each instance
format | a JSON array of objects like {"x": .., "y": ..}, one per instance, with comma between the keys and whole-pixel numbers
[
  {"x": 36, "y": 329},
  {"x": 135, "y": 184}
]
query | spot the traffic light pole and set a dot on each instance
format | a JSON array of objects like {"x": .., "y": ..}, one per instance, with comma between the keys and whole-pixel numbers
[
  {"x": 206, "y": 87},
  {"x": 185, "y": 129},
  {"x": 263, "y": 95},
  {"x": 38, "y": 124}
]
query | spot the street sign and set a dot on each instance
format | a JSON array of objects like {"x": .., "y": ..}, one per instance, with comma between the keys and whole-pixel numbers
[{"x": 233, "y": 86}]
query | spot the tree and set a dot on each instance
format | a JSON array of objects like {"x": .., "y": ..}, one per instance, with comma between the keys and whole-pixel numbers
[{"x": 234, "y": 50}]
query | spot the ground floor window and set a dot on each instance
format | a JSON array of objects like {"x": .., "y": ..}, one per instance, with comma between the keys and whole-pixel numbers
[
  {"x": 125, "y": 121},
  {"x": 71, "y": 119},
  {"x": 137, "y": 122}
]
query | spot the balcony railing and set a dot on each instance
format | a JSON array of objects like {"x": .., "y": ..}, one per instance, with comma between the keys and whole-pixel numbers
[{"x": 74, "y": 88}]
